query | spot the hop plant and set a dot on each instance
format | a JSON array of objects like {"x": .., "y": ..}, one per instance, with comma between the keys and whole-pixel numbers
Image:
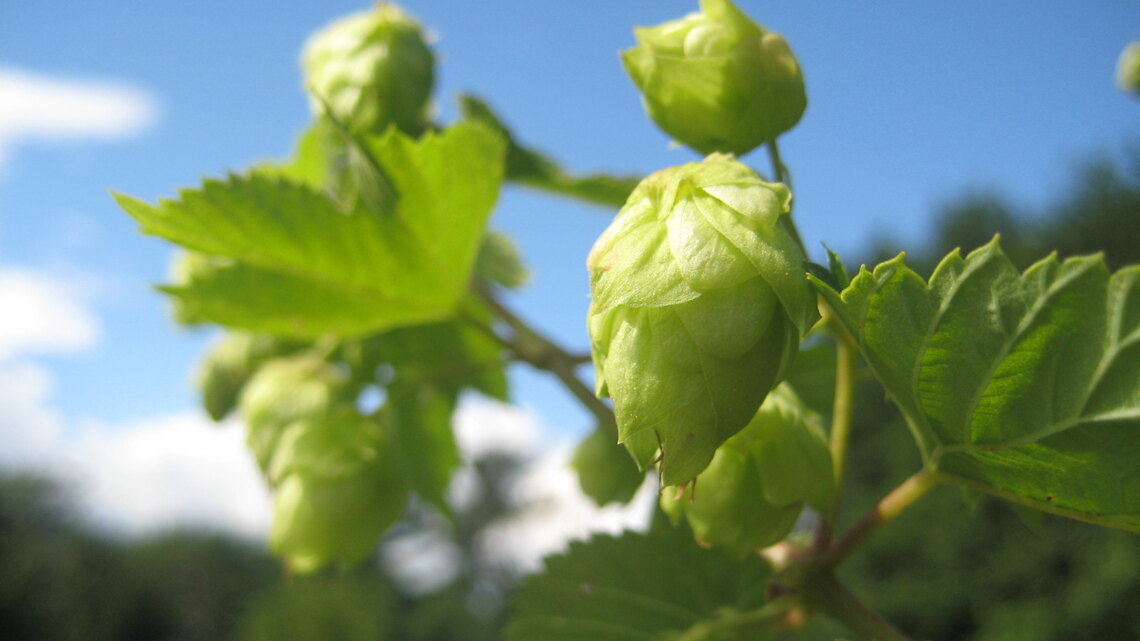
[
  {"x": 699, "y": 304},
  {"x": 372, "y": 69},
  {"x": 716, "y": 80}
]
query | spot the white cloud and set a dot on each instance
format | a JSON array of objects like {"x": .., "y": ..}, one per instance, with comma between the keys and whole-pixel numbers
[
  {"x": 34, "y": 107},
  {"x": 483, "y": 425},
  {"x": 42, "y": 313},
  {"x": 556, "y": 512},
  {"x": 30, "y": 431},
  {"x": 553, "y": 509},
  {"x": 135, "y": 478},
  {"x": 170, "y": 471}
]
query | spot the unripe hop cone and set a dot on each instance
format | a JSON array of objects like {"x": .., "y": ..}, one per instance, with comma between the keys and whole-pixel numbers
[
  {"x": 716, "y": 80},
  {"x": 372, "y": 69},
  {"x": 338, "y": 484},
  {"x": 754, "y": 489},
  {"x": 699, "y": 304}
]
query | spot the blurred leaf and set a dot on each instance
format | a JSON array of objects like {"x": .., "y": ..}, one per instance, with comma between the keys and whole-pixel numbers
[
  {"x": 636, "y": 586},
  {"x": 420, "y": 418},
  {"x": 606, "y": 472},
  {"x": 812, "y": 375},
  {"x": 451, "y": 355},
  {"x": 1026, "y": 386},
  {"x": 304, "y": 266},
  {"x": 499, "y": 261},
  {"x": 534, "y": 169}
]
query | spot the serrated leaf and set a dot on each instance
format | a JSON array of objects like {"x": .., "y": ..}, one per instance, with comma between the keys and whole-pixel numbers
[
  {"x": 837, "y": 269},
  {"x": 534, "y": 169},
  {"x": 636, "y": 586},
  {"x": 1026, "y": 386},
  {"x": 606, "y": 472},
  {"x": 398, "y": 266},
  {"x": 242, "y": 296}
]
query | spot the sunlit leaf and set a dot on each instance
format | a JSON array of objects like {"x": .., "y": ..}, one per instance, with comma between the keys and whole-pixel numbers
[
  {"x": 307, "y": 266},
  {"x": 1026, "y": 386}
]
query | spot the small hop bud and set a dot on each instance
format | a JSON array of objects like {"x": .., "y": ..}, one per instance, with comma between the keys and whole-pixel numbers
[
  {"x": 716, "y": 80},
  {"x": 1128, "y": 68},
  {"x": 372, "y": 69},
  {"x": 699, "y": 304},
  {"x": 759, "y": 480}
]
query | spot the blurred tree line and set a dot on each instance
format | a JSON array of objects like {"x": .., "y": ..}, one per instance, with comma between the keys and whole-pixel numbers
[
  {"x": 62, "y": 581},
  {"x": 954, "y": 567}
]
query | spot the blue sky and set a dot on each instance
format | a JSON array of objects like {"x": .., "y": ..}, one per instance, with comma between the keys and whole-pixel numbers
[{"x": 910, "y": 105}]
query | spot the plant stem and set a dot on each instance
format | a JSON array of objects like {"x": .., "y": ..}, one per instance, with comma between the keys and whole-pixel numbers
[
  {"x": 542, "y": 353},
  {"x": 885, "y": 511},
  {"x": 779, "y": 170},
  {"x": 843, "y": 407},
  {"x": 835, "y": 600},
  {"x": 781, "y": 175}
]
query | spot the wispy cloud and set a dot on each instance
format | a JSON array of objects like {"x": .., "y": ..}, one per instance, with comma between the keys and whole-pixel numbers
[
  {"x": 42, "y": 313},
  {"x": 39, "y": 108}
]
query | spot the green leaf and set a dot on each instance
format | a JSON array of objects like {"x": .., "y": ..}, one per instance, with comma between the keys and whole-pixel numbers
[
  {"x": 1026, "y": 386},
  {"x": 606, "y": 473},
  {"x": 398, "y": 266},
  {"x": 319, "y": 153},
  {"x": 499, "y": 261},
  {"x": 242, "y": 296},
  {"x": 450, "y": 356},
  {"x": 634, "y": 587},
  {"x": 812, "y": 375},
  {"x": 534, "y": 169},
  {"x": 420, "y": 418}
]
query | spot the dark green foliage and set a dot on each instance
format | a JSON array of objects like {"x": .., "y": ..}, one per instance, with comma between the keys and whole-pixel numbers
[{"x": 993, "y": 577}]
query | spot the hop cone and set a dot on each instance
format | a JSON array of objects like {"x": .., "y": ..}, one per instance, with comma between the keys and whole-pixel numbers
[
  {"x": 716, "y": 80},
  {"x": 372, "y": 69},
  {"x": 699, "y": 304}
]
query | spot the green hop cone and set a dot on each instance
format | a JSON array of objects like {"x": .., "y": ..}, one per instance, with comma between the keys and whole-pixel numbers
[
  {"x": 753, "y": 491},
  {"x": 338, "y": 488},
  {"x": 699, "y": 304},
  {"x": 229, "y": 365},
  {"x": 285, "y": 391},
  {"x": 338, "y": 483},
  {"x": 1128, "y": 68},
  {"x": 716, "y": 80},
  {"x": 372, "y": 69}
]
